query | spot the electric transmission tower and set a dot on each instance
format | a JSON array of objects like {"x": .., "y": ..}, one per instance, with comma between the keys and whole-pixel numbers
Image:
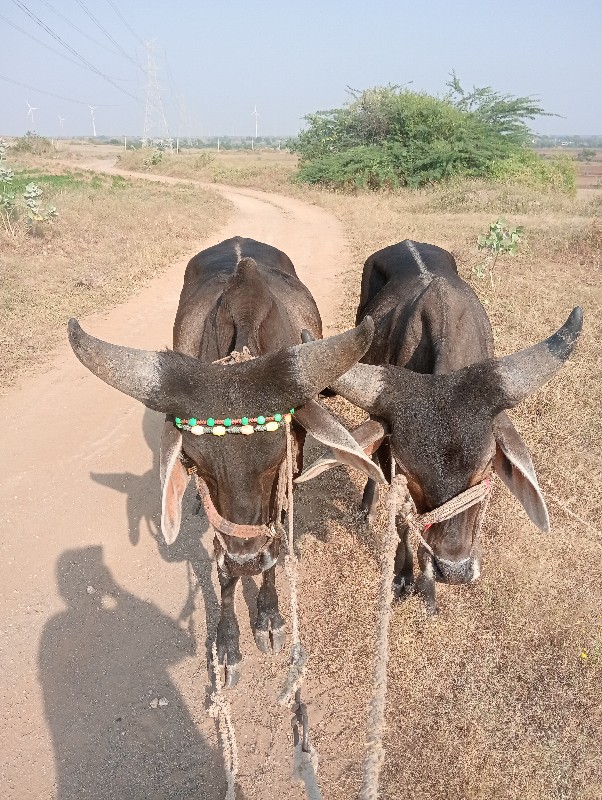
[{"x": 155, "y": 123}]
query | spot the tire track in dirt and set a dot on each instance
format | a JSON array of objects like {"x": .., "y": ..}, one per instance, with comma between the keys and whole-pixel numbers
[{"x": 101, "y": 617}]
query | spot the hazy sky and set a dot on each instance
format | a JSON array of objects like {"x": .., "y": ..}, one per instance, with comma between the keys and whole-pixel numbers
[{"x": 288, "y": 58}]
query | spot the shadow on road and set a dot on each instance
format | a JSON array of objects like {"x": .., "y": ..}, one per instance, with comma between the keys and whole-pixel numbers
[{"x": 103, "y": 664}]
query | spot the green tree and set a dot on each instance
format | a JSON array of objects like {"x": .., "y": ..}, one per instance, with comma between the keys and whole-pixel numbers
[{"x": 390, "y": 136}]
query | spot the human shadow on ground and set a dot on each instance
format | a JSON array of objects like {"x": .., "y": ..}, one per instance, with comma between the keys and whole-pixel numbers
[
  {"x": 143, "y": 503},
  {"x": 103, "y": 665}
]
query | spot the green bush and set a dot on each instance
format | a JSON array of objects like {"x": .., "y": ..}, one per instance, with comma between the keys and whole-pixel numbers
[
  {"x": 32, "y": 143},
  {"x": 388, "y": 137}
]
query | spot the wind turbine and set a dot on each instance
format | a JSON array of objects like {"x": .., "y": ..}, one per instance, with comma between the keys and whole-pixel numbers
[
  {"x": 30, "y": 114},
  {"x": 61, "y": 120},
  {"x": 256, "y": 115},
  {"x": 92, "y": 108}
]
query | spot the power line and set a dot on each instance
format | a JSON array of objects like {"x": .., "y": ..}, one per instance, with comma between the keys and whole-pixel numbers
[
  {"x": 47, "y": 46},
  {"x": 58, "y": 96},
  {"x": 83, "y": 6},
  {"x": 121, "y": 17},
  {"x": 79, "y": 30},
  {"x": 55, "y": 36}
]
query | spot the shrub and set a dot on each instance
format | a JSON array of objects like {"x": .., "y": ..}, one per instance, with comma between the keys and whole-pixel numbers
[
  {"x": 32, "y": 143},
  {"x": 388, "y": 137}
]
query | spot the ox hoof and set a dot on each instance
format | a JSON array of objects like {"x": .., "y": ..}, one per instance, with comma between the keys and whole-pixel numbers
[
  {"x": 232, "y": 676},
  {"x": 402, "y": 589},
  {"x": 229, "y": 678},
  {"x": 270, "y": 641}
]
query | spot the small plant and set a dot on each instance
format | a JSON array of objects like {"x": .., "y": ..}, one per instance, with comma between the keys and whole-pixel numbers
[
  {"x": 152, "y": 159},
  {"x": 9, "y": 207},
  {"x": 586, "y": 154},
  {"x": 35, "y": 212},
  {"x": 499, "y": 240}
]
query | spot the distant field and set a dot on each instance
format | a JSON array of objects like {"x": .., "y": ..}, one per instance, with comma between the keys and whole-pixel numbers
[
  {"x": 112, "y": 235},
  {"x": 589, "y": 174}
]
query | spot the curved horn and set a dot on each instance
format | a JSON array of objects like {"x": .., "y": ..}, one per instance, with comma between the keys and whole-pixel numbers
[
  {"x": 308, "y": 368},
  {"x": 524, "y": 372},
  {"x": 363, "y": 385},
  {"x": 145, "y": 375}
]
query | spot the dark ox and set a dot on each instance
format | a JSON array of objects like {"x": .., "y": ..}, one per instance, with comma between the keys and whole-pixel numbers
[
  {"x": 240, "y": 293},
  {"x": 437, "y": 398}
]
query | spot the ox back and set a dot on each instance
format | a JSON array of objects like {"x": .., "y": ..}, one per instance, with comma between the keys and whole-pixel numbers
[
  {"x": 229, "y": 302},
  {"x": 426, "y": 317}
]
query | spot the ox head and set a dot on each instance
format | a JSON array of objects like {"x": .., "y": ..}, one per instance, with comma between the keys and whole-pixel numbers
[
  {"x": 448, "y": 432},
  {"x": 240, "y": 471}
]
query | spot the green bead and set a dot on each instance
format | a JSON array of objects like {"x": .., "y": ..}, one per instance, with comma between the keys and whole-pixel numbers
[
  {"x": 292, "y": 411},
  {"x": 244, "y": 421},
  {"x": 178, "y": 421},
  {"x": 227, "y": 422},
  {"x": 211, "y": 422},
  {"x": 261, "y": 420},
  {"x": 192, "y": 422},
  {"x": 278, "y": 417}
]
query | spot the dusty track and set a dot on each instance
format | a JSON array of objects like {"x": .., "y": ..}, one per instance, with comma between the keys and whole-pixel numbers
[{"x": 100, "y": 618}]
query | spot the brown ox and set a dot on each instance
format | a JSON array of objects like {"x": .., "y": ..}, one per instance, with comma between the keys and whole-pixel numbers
[
  {"x": 437, "y": 398},
  {"x": 238, "y": 294}
]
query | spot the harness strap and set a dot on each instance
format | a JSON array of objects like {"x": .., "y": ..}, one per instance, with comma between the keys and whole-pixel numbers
[{"x": 222, "y": 525}]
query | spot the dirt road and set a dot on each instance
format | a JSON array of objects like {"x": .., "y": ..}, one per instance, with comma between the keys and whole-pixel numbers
[{"x": 100, "y": 618}]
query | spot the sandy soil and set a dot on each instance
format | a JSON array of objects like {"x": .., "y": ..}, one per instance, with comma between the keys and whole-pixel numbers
[{"x": 100, "y": 617}]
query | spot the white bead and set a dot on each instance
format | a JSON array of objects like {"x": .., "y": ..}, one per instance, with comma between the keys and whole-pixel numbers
[
  {"x": 247, "y": 430},
  {"x": 198, "y": 430}
]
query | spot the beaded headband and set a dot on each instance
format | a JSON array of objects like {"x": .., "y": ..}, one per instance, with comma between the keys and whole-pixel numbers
[{"x": 244, "y": 425}]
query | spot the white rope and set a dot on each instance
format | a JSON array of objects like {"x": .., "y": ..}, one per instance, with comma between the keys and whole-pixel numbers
[
  {"x": 220, "y": 711},
  {"x": 298, "y": 659},
  {"x": 375, "y": 753}
]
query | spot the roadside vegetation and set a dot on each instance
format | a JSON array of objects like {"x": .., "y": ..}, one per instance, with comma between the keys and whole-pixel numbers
[
  {"x": 110, "y": 237},
  {"x": 390, "y": 136},
  {"x": 269, "y": 170}
]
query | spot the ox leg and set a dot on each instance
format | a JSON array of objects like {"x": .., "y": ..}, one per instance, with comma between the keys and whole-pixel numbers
[
  {"x": 269, "y": 628},
  {"x": 426, "y": 586},
  {"x": 228, "y": 632},
  {"x": 370, "y": 501},
  {"x": 403, "y": 580}
]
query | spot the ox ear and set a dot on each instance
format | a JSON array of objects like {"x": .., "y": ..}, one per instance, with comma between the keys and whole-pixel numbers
[
  {"x": 512, "y": 462},
  {"x": 174, "y": 480},
  {"x": 344, "y": 448}
]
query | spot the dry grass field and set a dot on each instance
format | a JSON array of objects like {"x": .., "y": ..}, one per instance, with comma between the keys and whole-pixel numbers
[
  {"x": 499, "y": 697},
  {"x": 111, "y": 236},
  {"x": 270, "y": 170}
]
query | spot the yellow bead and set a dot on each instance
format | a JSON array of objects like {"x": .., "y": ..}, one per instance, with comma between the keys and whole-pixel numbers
[
  {"x": 271, "y": 426},
  {"x": 247, "y": 430},
  {"x": 198, "y": 430},
  {"x": 218, "y": 430}
]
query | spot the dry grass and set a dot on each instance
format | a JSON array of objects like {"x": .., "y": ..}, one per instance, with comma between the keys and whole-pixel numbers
[
  {"x": 111, "y": 237},
  {"x": 500, "y": 695},
  {"x": 270, "y": 170}
]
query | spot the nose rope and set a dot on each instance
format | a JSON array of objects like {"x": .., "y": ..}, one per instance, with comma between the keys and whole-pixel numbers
[{"x": 419, "y": 523}]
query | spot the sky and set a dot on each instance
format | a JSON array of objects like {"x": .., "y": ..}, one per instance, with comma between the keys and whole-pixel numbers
[{"x": 217, "y": 62}]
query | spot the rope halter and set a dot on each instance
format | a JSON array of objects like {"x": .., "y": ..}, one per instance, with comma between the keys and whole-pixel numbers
[{"x": 419, "y": 523}]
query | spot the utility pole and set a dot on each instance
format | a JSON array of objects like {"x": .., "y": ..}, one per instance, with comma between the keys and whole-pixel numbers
[{"x": 155, "y": 123}]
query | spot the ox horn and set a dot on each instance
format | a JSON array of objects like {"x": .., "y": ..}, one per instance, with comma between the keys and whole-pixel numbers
[
  {"x": 522, "y": 373},
  {"x": 141, "y": 374},
  {"x": 175, "y": 383}
]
